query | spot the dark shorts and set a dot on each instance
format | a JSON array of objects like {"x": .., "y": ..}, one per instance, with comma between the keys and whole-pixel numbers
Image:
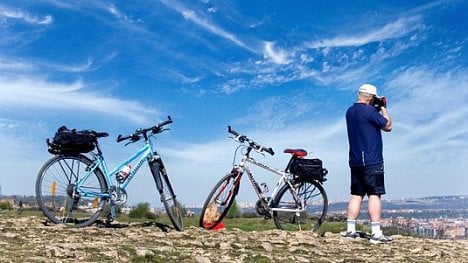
[{"x": 368, "y": 180}]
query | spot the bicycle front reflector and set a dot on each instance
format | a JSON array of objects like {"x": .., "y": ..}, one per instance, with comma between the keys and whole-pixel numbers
[
  {"x": 95, "y": 202},
  {"x": 53, "y": 188}
]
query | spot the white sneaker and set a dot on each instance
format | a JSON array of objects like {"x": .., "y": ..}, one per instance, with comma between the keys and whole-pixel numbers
[
  {"x": 381, "y": 239},
  {"x": 350, "y": 234}
]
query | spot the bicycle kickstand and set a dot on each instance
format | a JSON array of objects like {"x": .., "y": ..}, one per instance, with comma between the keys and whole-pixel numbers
[{"x": 110, "y": 216}]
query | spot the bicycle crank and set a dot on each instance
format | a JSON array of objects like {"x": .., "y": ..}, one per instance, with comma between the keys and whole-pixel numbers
[
  {"x": 262, "y": 208},
  {"x": 118, "y": 196}
]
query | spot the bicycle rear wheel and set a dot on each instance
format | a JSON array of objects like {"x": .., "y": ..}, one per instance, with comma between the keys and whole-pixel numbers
[
  {"x": 57, "y": 194},
  {"x": 305, "y": 212},
  {"x": 219, "y": 201}
]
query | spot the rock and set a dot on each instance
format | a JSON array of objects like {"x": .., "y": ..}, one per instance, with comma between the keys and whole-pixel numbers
[
  {"x": 30, "y": 240},
  {"x": 200, "y": 259},
  {"x": 224, "y": 246},
  {"x": 267, "y": 246},
  {"x": 143, "y": 252}
]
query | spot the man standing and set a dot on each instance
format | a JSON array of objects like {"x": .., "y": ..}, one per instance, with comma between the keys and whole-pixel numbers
[{"x": 364, "y": 123}]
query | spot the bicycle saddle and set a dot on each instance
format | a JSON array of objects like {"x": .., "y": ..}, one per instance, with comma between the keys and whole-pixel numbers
[
  {"x": 296, "y": 152},
  {"x": 99, "y": 134}
]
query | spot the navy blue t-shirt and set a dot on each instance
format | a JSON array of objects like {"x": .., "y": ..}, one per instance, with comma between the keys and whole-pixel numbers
[{"x": 364, "y": 125}]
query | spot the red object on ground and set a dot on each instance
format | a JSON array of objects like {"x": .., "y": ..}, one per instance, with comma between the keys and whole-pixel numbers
[{"x": 217, "y": 227}]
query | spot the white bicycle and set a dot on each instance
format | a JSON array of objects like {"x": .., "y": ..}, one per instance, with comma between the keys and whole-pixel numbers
[{"x": 298, "y": 202}]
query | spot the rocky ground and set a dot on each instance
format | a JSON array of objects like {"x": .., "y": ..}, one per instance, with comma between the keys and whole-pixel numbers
[{"x": 28, "y": 239}]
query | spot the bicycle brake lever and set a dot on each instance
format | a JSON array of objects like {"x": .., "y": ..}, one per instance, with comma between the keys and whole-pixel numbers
[
  {"x": 259, "y": 151},
  {"x": 133, "y": 139},
  {"x": 235, "y": 138}
]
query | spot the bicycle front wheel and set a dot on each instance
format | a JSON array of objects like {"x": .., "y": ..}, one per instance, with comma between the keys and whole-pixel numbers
[
  {"x": 219, "y": 201},
  {"x": 173, "y": 209},
  {"x": 59, "y": 197},
  {"x": 301, "y": 208}
]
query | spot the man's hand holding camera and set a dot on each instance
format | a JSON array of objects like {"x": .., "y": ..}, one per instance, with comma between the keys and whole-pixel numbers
[{"x": 379, "y": 102}]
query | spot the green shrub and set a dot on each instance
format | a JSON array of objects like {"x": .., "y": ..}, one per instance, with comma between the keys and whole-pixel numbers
[
  {"x": 5, "y": 206},
  {"x": 142, "y": 210},
  {"x": 233, "y": 211}
]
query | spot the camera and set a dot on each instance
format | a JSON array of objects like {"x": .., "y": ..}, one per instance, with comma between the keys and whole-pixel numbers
[{"x": 379, "y": 102}]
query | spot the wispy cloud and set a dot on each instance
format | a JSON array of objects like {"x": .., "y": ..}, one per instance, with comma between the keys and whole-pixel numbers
[
  {"x": 205, "y": 24},
  {"x": 119, "y": 14},
  {"x": 399, "y": 28},
  {"x": 336, "y": 60},
  {"x": 18, "y": 64},
  {"x": 15, "y": 64},
  {"x": 431, "y": 108},
  {"x": 278, "y": 56},
  {"x": 275, "y": 112},
  {"x": 26, "y": 92},
  {"x": 25, "y": 17}
]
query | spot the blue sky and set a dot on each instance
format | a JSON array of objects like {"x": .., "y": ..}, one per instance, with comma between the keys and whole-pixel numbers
[{"x": 282, "y": 72}]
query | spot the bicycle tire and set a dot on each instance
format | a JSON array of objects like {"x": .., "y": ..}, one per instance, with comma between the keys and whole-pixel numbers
[
  {"x": 172, "y": 206},
  {"x": 222, "y": 196},
  {"x": 59, "y": 200},
  {"x": 313, "y": 196}
]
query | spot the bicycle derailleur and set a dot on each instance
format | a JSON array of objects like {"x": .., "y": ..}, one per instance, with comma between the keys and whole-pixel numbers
[
  {"x": 262, "y": 208},
  {"x": 74, "y": 195}
]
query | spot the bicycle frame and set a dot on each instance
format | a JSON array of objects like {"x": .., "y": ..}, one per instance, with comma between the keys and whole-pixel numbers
[
  {"x": 143, "y": 154},
  {"x": 284, "y": 179}
]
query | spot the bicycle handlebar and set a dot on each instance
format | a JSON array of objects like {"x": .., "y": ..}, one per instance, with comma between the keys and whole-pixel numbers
[
  {"x": 135, "y": 136},
  {"x": 243, "y": 138}
]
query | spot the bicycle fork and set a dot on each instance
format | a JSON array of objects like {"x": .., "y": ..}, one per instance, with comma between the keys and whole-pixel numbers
[{"x": 157, "y": 169}]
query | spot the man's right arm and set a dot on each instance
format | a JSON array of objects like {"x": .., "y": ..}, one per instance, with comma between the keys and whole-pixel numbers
[{"x": 386, "y": 115}]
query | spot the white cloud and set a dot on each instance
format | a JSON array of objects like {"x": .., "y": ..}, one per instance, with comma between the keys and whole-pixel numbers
[
  {"x": 431, "y": 107},
  {"x": 212, "y": 10},
  {"x": 397, "y": 29},
  {"x": 275, "y": 113},
  {"x": 26, "y": 92},
  {"x": 18, "y": 64},
  {"x": 25, "y": 17},
  {"x": 9, "y": 64},
  {"x": 119, "y": 14},
  {"x": 206, "y": 25},
  {"x": 279, "y": 57}
]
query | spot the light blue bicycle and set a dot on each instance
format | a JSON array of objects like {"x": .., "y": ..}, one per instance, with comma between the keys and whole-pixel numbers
[{"x": 74, "y": 189}]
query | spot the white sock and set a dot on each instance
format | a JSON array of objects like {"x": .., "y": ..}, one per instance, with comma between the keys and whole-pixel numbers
[
  {"x": 376, "y": 229},
  {"x": 351, "y": 225}
]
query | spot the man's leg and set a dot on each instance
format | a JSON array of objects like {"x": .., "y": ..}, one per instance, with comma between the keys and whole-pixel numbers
[
  {"x": 354, "y": 207},
  {"x": 375, "y": 212},
  {"x": 375, "y": 208}
]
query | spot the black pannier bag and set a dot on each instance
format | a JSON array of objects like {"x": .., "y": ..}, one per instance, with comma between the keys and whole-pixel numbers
[
  {"x": 72, "y": 141},
  {"x": 308, "y": 169}
]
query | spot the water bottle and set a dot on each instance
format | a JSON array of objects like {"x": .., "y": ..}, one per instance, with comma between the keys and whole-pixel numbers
[{"x": 123, "y": 174}]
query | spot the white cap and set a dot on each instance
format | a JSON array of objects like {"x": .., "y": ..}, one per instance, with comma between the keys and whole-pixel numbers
[{"x": 369, "y": 89}]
